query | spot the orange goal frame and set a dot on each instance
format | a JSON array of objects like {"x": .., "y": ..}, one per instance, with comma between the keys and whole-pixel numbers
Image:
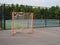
[{"x": 22, "y": 13}]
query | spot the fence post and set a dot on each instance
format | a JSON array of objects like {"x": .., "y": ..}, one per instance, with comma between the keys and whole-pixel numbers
[
  {"x": 59, "y": 20},
  {"x": 4, "y": 18},
  {"x": 0, "y": 17}
]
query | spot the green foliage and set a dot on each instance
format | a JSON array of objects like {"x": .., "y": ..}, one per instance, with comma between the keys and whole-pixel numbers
[
  {"x": 8, "y": 12},
  {"x": 39, "y": 13}
]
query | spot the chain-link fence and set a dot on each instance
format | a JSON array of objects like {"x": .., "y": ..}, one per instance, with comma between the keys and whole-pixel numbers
[
  {"x": 46, "y": 23},
  {"x": 47, "y": 20},
  {"x": 42, "y": 18}
]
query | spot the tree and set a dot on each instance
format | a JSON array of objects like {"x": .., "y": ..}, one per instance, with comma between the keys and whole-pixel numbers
[
  {"x": 36, "y": 13},
  {"x": 12, "y": 7},
  {"x": 52, "y": 12},
  {"x": 46, "y": 13},
  {"x": 17, "y": 8},
  {"x": 22, "y": 8},
  {"x": 8, "y": 12},
  {"x": 42, "y": 13}
]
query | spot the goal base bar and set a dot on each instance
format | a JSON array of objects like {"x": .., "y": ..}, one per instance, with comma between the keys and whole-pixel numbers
[{"x": 25, "y": 31}]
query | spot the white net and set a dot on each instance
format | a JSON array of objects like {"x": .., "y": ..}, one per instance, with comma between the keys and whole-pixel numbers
[{"x": 23, "y": 22}]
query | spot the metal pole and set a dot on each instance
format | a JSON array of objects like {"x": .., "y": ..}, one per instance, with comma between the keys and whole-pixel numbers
[
  {"x": 59, "y": 20},
  {"x": 45, "y": 18},
  {"x": 0, "y": 17},
  {"x": 3, "y": 16}
]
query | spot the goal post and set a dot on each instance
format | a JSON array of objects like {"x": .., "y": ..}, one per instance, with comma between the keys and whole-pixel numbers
[{"x": 22, "y": 22}]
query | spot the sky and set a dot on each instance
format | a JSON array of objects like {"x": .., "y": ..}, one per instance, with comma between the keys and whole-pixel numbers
[{"x": 43, "y": 3}]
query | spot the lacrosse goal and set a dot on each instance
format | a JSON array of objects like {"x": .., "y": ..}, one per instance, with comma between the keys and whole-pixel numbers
[{"x": 22, "y": 22}]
